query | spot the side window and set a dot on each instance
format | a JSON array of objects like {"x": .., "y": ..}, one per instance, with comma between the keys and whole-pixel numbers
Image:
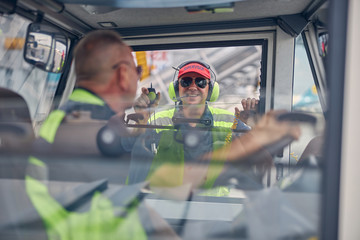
[
  {"x": 305, "y": 99},
  {"x": 305, "y": 96},
  {"x": 36, "y": 86}
]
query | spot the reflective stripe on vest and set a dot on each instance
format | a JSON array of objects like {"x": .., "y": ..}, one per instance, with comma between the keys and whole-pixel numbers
[
  {"x": 83, "y": 96},
  {"x": 50, "y": 126},
  {"x": 163, "y": 118},
  {"x": 98, "y": 223},
  {"x": 221, "y": 118}
]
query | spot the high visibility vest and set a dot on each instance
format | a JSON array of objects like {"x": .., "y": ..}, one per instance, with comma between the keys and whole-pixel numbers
[
  {"x": 220, "y": 117},
  {"x": 100, "y": 222},
  {"x": 171, "y": 151},
  {"x": 79, "y": 96}
]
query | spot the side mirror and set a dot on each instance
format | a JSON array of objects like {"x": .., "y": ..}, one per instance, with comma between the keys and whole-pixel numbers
[
  {"x": 323, "y": 43},
  {"x": 45, "y": 48}
]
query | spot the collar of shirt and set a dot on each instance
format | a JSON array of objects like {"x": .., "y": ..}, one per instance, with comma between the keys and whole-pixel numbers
[{"x": 98, "y": 112}]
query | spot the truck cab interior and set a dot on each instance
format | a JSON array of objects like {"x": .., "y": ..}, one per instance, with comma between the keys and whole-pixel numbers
[{"x": 275, "y": 51}]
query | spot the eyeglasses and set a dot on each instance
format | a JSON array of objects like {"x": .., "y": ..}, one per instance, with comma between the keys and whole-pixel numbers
[
  {"x": 199, "y": 81},
  {"x": 138, "y": 69}
]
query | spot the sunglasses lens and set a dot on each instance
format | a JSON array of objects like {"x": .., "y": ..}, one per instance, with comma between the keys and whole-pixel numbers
[
  {"x": 201, "y": 82},
  {"x": 186, "y": 82},
  {"x": 139, "y": 70}
]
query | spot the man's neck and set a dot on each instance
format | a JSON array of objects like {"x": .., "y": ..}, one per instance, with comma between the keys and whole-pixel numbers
[
  {"x": 108, "y": 94},
  {"x": 193, "y": 111}
]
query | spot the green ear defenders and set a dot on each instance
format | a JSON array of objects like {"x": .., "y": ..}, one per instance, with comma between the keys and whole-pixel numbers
[{"x": 214, "y": 89}]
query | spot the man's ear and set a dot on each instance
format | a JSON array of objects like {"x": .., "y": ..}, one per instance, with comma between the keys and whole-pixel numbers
[{"x": 122, "y": 77}]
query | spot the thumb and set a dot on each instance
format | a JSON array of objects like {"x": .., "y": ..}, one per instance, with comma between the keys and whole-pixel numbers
[
  {"x": 157, "y": 99},
  {"x": 237, "y": 111}
]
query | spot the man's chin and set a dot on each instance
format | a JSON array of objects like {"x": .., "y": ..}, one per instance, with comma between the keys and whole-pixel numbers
[
  {"x": 194, "y": 103},
  {"x": 193, "y": 99}
]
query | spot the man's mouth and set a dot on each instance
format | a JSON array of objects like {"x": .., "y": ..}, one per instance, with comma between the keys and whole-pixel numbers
[{"x": 192, "y": 95}]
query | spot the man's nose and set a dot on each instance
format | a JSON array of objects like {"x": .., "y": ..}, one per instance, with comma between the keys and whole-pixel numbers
[{"x": 192, "y": 85}]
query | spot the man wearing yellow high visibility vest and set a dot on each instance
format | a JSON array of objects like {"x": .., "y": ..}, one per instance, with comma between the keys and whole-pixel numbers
[
  {"x": 192, "y": 89},
  {"x": 106, "y": 86},
  {"x": 193, "y": 133}
]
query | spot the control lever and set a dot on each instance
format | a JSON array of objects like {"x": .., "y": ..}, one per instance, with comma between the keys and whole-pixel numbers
[
  {"x": 297, "y": 117},
  {"x": 277, "y": 148},
  {"x": 292, "y": 117}
]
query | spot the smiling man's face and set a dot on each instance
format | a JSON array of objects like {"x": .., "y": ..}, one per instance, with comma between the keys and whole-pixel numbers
[{"x": 193, "y": 94}]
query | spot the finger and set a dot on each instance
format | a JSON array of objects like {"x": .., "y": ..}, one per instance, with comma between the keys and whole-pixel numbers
[
  {"x": 237, "y": 113},
  {"x": 272, "y": 116},
  {"x": 243, "y": 103},
  {"x": 296, "y": 132},
  {"x": 142, "y": 102},
  {"x": 272, "y": 113},
  {"x": 278, "y": 111},
  {"x": 144, "y": 90},
  {"x": 265, "y": 119},
  {"x": 145, "y": 99},
  {"x": 158, "y": 97},
  {"x": 248, "y": 103},
  {"x": 253, "y": 103},
  {"x": 157, "y": 100}
]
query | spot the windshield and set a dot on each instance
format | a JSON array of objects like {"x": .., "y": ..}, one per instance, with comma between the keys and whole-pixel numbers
[
  {"x": 236, "y": 69},
  {"x": 175, "y": 144}
]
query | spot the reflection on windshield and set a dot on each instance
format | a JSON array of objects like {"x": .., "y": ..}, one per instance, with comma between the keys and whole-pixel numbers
[
  {"x": 205, "y": 166},
  {"x": 237, "y": 71},
  {"x": 36, "y": 86}
]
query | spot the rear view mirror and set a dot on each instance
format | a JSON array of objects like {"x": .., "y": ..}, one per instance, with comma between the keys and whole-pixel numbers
[{"x": 45, "y": 48}]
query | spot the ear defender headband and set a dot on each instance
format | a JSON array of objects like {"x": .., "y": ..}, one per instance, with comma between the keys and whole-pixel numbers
[{"x": 194, "y": 66}]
